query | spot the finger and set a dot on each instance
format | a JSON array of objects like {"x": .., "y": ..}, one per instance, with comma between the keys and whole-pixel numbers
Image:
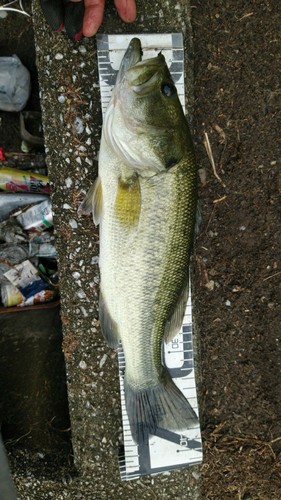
[
  {"x": 93, "y": 17},
  {"x": 126, "y": 9}
]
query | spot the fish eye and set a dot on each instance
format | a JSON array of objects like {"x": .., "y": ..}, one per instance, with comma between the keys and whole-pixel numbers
[{"x": 167, "y": 89}]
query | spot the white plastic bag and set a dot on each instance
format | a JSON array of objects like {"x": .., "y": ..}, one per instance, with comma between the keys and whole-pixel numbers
[{"x": 14, "y": 84}]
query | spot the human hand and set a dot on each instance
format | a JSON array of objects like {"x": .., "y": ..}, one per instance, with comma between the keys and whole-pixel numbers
[{"x": 83, "y": 17}]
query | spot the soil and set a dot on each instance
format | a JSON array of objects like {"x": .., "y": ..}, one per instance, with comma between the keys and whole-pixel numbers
[
  {"x": 237, "y": 291},
  {"x": 236, "y": 268}
]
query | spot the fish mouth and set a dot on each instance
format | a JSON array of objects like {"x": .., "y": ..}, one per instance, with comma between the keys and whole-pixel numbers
[
  {"x": 139, "y": 74},
  {"x": 131, "y": 57},
  {"x": 143, "y": 76}
]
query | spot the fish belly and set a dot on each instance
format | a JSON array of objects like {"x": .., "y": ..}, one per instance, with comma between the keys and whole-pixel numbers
[{"x": 144, "y": 267}]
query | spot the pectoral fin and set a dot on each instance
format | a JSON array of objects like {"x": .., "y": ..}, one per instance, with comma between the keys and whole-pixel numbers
[
  {"x": 97, "y": 201},
  {"x": 174, "y": 324},
  {"x": 128, "y": 201},
  {"x": 93, "y": 202},
  {"x": 86, "y": 207},
  {"x": 108, "y": 325}
]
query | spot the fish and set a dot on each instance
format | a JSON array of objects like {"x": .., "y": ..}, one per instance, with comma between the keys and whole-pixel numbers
[{"x": 144, "y": 200}]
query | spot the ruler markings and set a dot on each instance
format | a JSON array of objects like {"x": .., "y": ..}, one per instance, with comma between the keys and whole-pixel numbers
[{"x": 159, "y": 454}]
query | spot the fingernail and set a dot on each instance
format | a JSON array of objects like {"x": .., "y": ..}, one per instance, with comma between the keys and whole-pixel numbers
[
  {"x": 60, "y": 28},
  {"x": 78, "y": 36}
]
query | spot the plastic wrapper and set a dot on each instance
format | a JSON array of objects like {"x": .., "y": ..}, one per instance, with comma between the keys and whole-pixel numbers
[
  {"x": 14, "y": 180},
  {"x": 37, "y": 217},
  {"x": 13, "y": 254},
  {"x": 11, "y": 231},
  {"x": 11, "y": 201},
  {"x": 38, "y": 298},
  {"x": 9, "y": 256},
  {"x": 10, "y": 295},
  {"x": 26, "y": 278},
  {"x": 14, "y": 84},
  {"x": 42, "y": 250}
]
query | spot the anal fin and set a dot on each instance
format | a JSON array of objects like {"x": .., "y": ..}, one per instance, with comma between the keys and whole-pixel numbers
[
  {"x": 108, "y": 325},
  {"x": 174, "y": 324}
]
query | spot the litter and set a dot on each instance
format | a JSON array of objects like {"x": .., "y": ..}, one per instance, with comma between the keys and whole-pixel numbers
[
  {"x": 14, "y": 180},
  {"x": 14, "y": 84},
  {"x": 10, "y": 202},
  {"x": 7, "y": 8},
  {"x": 37, "y": 217},
  {"x": 28, "y": 266},
  {"x": 31, "y": 130}
]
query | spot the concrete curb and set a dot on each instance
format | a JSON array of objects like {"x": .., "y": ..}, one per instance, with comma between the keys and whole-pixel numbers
[{"x": 72, "y": 124}]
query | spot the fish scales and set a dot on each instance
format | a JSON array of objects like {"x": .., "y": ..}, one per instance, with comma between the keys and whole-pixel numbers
[
  {"x": 140, "y": 282},
  {"x": 145, "y": 201}
]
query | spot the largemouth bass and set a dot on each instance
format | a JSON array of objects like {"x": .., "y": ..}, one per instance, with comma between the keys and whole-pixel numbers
[{"x": 145, "y": 202}]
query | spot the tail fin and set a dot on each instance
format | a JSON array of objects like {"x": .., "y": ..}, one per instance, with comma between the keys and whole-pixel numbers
[{"x": 162, "y": 405}]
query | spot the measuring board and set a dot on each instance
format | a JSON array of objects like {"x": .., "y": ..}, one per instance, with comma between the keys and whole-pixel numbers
[{"x": 167, "y": 449}]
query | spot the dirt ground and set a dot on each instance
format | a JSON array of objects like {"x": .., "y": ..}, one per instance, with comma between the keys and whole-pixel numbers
[
  {"x": 237, "y": 292},
  {"x": 236, "y": 272}
]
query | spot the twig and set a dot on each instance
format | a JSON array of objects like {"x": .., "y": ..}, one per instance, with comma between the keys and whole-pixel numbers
[
  {"x": 249, "y": 14},
  {"x": 272, "y": 276},
  {"x": 218, "y": 200},
  {"x": 208, "y": 148},
  {"x": 275, "y": 440},
  {"x": 14, "y": 441}
]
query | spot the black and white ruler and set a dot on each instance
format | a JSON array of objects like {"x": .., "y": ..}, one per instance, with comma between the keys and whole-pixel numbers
[{"x": 166, "y": 450}]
